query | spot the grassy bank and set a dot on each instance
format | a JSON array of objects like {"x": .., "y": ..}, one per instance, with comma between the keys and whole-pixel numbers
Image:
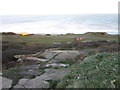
[{"x": 96, "y": 71}]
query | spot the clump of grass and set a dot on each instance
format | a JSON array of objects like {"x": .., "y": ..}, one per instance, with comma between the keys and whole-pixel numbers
[
  {"x": 13, "y": 74},
  {"x": 52, "y": 84},
  {"x": 96, "y": 71},
  {"x": 68, "y": 61}
]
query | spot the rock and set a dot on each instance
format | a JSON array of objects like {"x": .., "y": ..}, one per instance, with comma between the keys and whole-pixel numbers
[
  {"x": 0, "y": 82},
  {"x": 56, "y": 55},
  {"x": 63, "y": 65},
  {"x": 54, "y": 74},
  {"x": 50, "y": 54},
  {"x": 35, "y": 59},
  {"x": 21, "y": 83},
  {"x": 67, "y": 54},
  {"x": 38, "y": 54},
  {"x": 17, "y": 56},
  {"x": 32, "y": 83},
  {"x": 29, "y": 67},
  {"x": 57, "y": 65},
  {"x": 36, "y": 83},
  {"x": 6, "y": 83},
  {"x": 31, "y": 72}
]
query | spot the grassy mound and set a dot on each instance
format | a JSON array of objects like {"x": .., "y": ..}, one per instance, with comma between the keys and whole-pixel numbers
[{"x": 96, "y": 71}]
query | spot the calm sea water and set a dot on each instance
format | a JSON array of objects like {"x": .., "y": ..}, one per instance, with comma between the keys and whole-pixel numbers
[{"x": 93, "y": 21}]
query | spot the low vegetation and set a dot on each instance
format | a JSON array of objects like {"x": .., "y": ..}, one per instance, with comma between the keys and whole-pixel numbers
[
  {"x": 13, "y": 73},
  {"x": 9, "y": 49},
  {"x": 96, "y": 71},
  {"x": 97, "y": 67}
]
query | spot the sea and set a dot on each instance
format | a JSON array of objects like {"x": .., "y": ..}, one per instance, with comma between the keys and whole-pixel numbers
[{"x": 60, "y": 24}]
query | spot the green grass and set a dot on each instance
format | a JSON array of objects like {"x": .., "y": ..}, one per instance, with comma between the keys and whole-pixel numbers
[
  {"x": 47, "y": 40},
  {"x": 96, "y": 71},
  {"x": 52, "y": 84},
  {"x": 13, "y": 73},
  {"x": 36, "y": 39},
  {"x": 68, "y": 61}
]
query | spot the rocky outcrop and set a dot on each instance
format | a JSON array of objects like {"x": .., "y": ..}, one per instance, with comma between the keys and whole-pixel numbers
[
  {"x": 41, "y": 81},
  {"x": 33, "y": 59},
  {"x": 42, "y": 72},
  {"x": 32, "y": 83},
  {"x": 54, "y": 74},
  {"x": 30, "y": 57},
  {"x": 49, "y": 55},
  {"x": 21, "y": 83},
  {"x": 63, "y": 55},
  {"x": 6, "y": 83}
]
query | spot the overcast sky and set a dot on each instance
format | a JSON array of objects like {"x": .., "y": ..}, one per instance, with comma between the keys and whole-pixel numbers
[{"x": 48, "y": 7}]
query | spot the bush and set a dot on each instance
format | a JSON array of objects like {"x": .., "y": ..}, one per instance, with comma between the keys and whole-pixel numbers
[{"x": 48, "y": 35}]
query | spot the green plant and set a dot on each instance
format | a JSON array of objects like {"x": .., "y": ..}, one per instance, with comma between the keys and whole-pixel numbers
[
  {"x": 13, "y": 73},
  {"x": 52, "y": 84},
  {"x": 68, "y": 61},
  {"x": 96, "y": 71}
]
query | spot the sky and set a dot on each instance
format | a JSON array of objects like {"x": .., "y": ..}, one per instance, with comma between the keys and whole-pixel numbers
[
  {"x": 20, "y": 10},
  {"x": 52, "y": 7}
]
